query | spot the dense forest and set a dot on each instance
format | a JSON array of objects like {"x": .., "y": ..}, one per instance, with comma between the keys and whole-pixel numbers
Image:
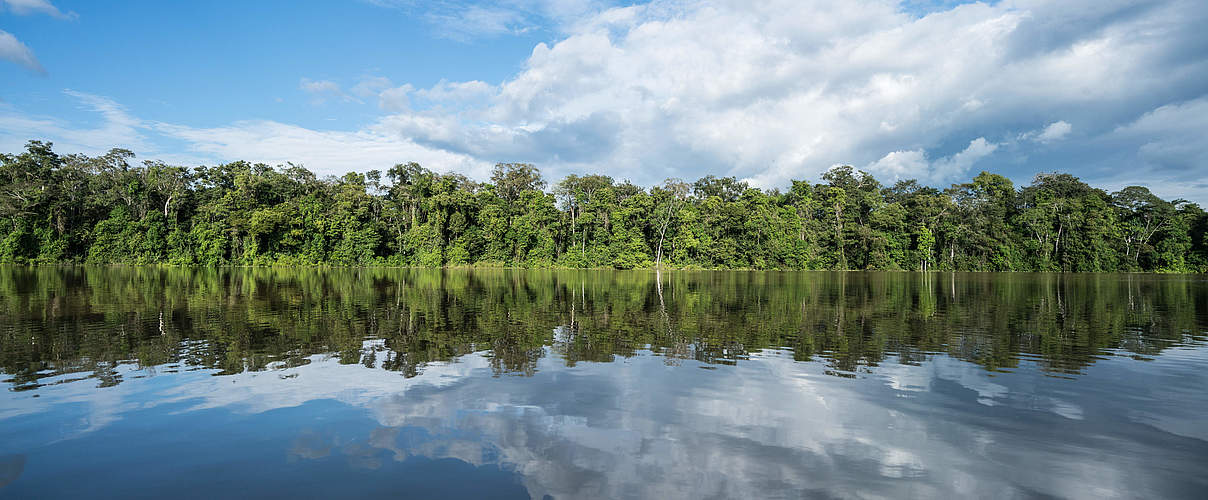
[{"x": 109, "y": 209}]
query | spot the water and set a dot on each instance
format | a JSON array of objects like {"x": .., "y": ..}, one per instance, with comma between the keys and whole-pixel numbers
[{"x": 148, "y": 383}]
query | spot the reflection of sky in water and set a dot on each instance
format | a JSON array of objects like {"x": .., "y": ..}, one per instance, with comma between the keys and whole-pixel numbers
[{"x": 637, "y": 427}]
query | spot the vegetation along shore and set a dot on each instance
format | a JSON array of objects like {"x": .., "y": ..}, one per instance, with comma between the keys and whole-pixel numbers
[{"x": 111, "y": 209}]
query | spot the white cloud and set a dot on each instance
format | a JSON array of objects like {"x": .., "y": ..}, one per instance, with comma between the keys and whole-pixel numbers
[
  {"x": 913, "y": 164},
  {"x": 1053, "y": 132},
  {"x": 900, "y": 164},
  {"x": 396, "y": 98},
  {"x": 325, "y": 152},
  {"x": 478, "y": 20},
  {"x": 27, "y": 7},
  {"x": 117, "y": 128},
  {"x": 458, "y": 94},
  {"x": 779, "y": 90},
  {"x": 12, "y": 50}
]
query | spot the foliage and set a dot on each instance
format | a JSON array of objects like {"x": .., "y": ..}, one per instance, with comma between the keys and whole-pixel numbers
[{"x": 75, "y": 209}]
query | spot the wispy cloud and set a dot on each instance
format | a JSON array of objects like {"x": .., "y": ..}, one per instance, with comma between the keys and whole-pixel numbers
[
  {"x": 465, "y": 20},
  {"x": 117, "y": 128},
  {"x": 327, "y": 152},
  {"x": 27, "y": 7},
  {"x": 12, "y": 50},
  {"x": 370, "y": 87},
  {"x": 322, "y": 90}
]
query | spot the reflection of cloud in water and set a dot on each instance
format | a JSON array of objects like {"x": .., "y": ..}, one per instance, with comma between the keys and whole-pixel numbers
[
  {"x": 641, "y": 428},
  {"x": 919, "y": 378},
  {"x": 310, "y": 444},
  {"x": 972, "y": 377},
  {"x": 1167, "y": 402},
  {"x": 105, "y": 406}
]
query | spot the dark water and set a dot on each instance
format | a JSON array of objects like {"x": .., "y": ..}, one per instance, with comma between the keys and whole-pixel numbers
[{"x": 152, "y": 383}]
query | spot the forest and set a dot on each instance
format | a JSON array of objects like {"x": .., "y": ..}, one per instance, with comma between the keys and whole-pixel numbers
[{"x": 110, "y": 209}]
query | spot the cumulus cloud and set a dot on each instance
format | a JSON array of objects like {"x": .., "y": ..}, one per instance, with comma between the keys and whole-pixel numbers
[
  {"x": 396, "y": 98},
  {"x": 27, "y": 7},
  {"x": 1052, "y": 133},
  {"x": 12, "y": 50},
  {"x": 780, "y": 90},
  {"x": 913, "y": 164}
]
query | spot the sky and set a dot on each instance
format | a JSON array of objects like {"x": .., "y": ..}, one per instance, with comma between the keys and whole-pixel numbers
[{"x": 1112, "y": 91}]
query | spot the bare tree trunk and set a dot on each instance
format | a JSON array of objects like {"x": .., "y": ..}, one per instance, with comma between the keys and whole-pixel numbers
[{"x": 658, "y": 255}]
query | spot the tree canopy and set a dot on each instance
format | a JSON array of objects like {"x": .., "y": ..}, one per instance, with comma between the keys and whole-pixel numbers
[{"x": 109, "y": 209}]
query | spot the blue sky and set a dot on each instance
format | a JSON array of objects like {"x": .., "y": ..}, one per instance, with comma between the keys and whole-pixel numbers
[{"x": 1113, "y": 91}]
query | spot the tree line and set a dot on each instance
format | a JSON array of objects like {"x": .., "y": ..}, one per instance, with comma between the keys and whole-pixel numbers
[{"x": 110, "y": 209}]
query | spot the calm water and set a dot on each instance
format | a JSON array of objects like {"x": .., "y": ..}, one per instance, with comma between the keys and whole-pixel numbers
[{"x": 144, "y": 383}]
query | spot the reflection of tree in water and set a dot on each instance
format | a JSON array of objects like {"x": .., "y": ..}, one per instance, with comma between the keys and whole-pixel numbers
[
  {"x": 91, "y": 320},
  {"x": 11, "y": 468}
]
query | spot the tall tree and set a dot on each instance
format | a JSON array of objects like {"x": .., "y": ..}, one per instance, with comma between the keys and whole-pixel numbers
[{"x": 671, "y": 196}]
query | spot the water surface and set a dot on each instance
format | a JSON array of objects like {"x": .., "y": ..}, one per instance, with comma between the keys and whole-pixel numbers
[{"x": 150, "y": 382}]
